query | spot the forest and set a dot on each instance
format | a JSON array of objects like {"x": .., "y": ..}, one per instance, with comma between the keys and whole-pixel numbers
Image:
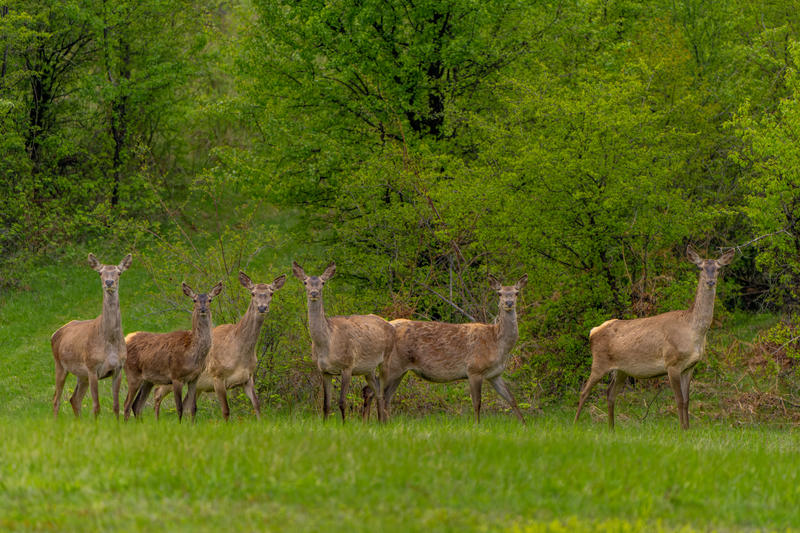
[{"x": 422, "y": 146}]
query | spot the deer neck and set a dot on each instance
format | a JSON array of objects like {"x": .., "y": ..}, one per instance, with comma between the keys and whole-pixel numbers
[
  {"x": 506, "y": 328},
  {"x": 702, "y": 310},
  {"x": 249, "y": 327},
  {"x": 201, "y": 336},
  {"x": 111, "y": 319},
  {"x": 317, "y": 323}
]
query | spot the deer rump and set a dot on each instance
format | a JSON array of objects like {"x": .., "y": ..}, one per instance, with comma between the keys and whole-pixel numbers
[
  {"x": 359, "y": 342},
  {"x": 442, "y": 352}
]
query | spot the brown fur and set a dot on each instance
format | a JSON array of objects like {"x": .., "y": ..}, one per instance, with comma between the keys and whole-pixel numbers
[
  {"x": 232, "y": 359},
  {"x": 441, "y": 352},
  {"x": 172, "y": 358},
  {"x": 670, "y": 343},
  {"x": 344, "y": 345},
  {"x": 92, "y": 349}
]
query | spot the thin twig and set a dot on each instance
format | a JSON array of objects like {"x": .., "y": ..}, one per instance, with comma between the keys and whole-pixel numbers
[{"x": 446, "y": 300}]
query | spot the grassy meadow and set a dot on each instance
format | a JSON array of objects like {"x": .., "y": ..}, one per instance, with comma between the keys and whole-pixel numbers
[{"x": 433, "y": 472}]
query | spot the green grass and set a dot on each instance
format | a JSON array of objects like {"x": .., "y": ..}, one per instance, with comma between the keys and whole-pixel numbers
[{"x": 429, "y": 474}]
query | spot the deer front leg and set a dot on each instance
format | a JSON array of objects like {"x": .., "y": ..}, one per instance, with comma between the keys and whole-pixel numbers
[
  {"x": 95, "y": 395},
  {"x": 674, "y": 375},
  {"x": 346, "y": 376},
  {"x": 502, "y": 389},
  {"x": 115, "y": 384},
  {"x": 475, "y": 384},
  {"x": 686, "y": 377},
  {"x": 326, "y": 395},
  {"x": 190, "y": 401},
  {"x": 250, "y": 390},
  {"x": 222, "y": 396},
  {"x": 177, "y": 391}
]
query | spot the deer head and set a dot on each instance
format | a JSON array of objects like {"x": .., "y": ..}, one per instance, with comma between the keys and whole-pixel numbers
[
  {"x": 508, "y": 293},
  {"x": 109, "y": 274},
  {"x": 261, "y": 293},
  {"x": 709, "y": 268},
  {"x": 313, "y": 284},
  {"x": 202, "y": 302}
]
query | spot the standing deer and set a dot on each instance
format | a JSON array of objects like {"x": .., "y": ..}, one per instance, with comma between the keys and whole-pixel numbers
[
  {"x": 344, "y": 345},
  {"x": 441, "y": 352},
  {"x": 670, "y": 343},
  {"x": 172, "y": 358},
  {"x": 232, "y": 360},
  {"x": 92, "y": 349}
]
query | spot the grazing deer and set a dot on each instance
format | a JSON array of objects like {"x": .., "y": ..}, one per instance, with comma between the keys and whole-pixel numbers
[
  {"x": 172, "y": 358},
  {"x": 441, "y": 352},
  {"x": 232, "y": 360},
  {"x": 344, "y": 345},
  {"x": 670, "y": 343},
  {"x": 92, "y": 349}
]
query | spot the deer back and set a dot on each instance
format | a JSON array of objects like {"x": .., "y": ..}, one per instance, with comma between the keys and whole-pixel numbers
[
  {"x": 360, "y": 342},
  {"x": 158, "y": 357}
]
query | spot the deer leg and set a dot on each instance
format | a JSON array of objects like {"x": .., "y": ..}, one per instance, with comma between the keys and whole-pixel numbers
[
  {"x": 177, "y": 391},
  {"x": 686, "y": 377},
  {"x": 61, "y": 377},
  {"x": 594, "y": 377},
  {"x": 95, "y": 394},
  {"x": 614, "y": 388},
  {"x": 222, "y": 396},
  {"x": 502, "y": 389},
  {"x": 326, "y": 395},
  {"x": 390, "y": 385},
  {"x": 158, "y": 396},
  {"x": 141, "y": 398},
  {"x": 250, "y": 390},
  {"x": 190, "y": 400},
  {"x": 345, "y": 386},
  {"x": 475, "y": 384},
  {"x": 134, "y": 383},
  {"x": 367, "y": 394},
  {"x": 77, "y": 395},
  {"x": 116, "y": 381},
  {"x": 675, "y": 382},
  {"x": 376, "y": 390}
]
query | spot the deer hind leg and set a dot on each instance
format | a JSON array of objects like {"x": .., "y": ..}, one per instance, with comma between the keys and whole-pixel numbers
[
  {"x": 594, "y": 377},
  {"x": 674, "y": 375},
  {"x": 614, "y": 388},
  {"x": 326, "y": 395},
  {"x": 177, "y": 392},
  {"x": 345, "y": 386},
  {"x": 190, "y": 400},
  {"x": 390, "y": 381},
  {"x": 61, "y": 377},
  {"x": 502, "y": 389},
  {"x": 222, "y": 396},
  {"x": 141, "y": 398},
  {"x": 250, "y": 390},
  {"x": 158, "y": 396},
  {"x": 366, "y": 394},
  {"x": 686, "y": 377},
  {"x": 375, "y": 389},
  {"x": 134, "y": 384},
  {"x": 77, "y": 395},
  {"x": 475, "y": 384}
]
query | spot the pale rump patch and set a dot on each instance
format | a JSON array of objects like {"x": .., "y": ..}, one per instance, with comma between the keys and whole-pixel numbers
[{"x": 601, "y": 326}]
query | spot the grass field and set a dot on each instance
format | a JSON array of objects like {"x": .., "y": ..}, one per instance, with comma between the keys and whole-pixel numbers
[{"x": 292, "y": 472}]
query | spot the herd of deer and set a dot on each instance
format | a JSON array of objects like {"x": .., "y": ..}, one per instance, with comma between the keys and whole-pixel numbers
[{"x": 224, "y": 356}]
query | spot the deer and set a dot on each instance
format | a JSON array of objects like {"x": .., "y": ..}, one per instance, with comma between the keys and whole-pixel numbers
[
  {"x": 173, "y": 358},
  {"x": 442, "y": 352},
  {"x": 92, "y": 349},
  {"x": 346, "y": 346},
  {"x": 670, "y": 343},
  {"x": 232, "y": 360}
]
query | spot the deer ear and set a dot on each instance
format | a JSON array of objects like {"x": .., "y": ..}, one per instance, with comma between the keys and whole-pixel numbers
[
  {"x": 727, "y": 257},
  {"x": 94, "y": 263},
  {"x": 494, "y": 283},
  {"x": 215, "y": 290},
  {"x": 278, "y": 282},
  {"x": 693, "y": 257},
  {"x": 521, "y": 282},
  {"x": 245, "y": 280},
  {"x": 125, "y": 263},
  {"x": 330, "y": 270},
  {"x": 298, "y": 271},
  {"x": 187, "y": 290}
]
